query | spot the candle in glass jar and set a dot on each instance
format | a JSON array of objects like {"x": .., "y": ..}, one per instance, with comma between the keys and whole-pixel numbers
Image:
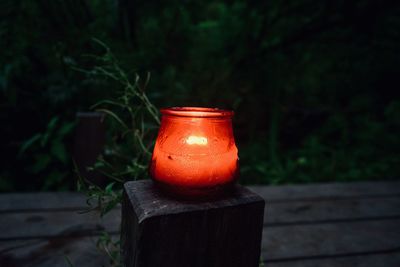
[{"x": 195, "y": 149}]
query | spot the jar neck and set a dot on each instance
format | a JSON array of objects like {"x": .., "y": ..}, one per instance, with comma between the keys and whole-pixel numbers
[
  {"x": 197, "y": 112},
  {"x": 196, "y": 119}
]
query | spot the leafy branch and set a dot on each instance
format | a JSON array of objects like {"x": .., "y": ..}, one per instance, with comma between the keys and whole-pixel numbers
[{"x": 133, "y": 120}]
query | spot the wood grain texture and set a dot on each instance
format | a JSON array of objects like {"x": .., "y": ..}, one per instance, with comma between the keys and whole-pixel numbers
[
  {"x": 351, "y": 224},
  {"x": 338, "y": 210},
  {"x": 316, "y": 192},
  {"x": 389, "y": 259},
  {"x": 285, "y": 193},
  {"x": 52, "y": 252},
  {"x": 160, "y": 231},
  {"x": 330, "y": 240},
  {"x": 20, "y": 202},
  {"x": 52, "y": 222},
  {"x": 31, "y": 225}
]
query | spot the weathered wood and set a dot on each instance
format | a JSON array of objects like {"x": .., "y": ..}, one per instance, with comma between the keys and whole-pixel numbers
[
  {"x": 352, "y": 224},
  {"x": 331, "y": 191},
  {"x": 20, "y": 202},
  {"x": 90, "y": 136},
  {"x": 323, "y": 211},
  {"x": 293, "y": 242},
  {"x": 282, "y": 193},
  {"x": 31, "y": 225},
  {"x": 47, "y": 220},
  {"x": 160, "y": 231},
  {"x": 52, "y": 252},
  {"x": 390, "y": 259},
  {"x": 52, "y": 222}
]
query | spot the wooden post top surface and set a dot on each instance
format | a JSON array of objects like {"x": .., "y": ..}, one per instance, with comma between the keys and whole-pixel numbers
[{"x": 148, "y": 201}]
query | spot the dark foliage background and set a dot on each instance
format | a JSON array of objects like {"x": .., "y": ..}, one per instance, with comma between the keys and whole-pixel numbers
[{"x": 314, "y": 84}]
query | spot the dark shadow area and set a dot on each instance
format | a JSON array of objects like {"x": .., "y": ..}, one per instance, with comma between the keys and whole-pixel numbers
[{"x": 314, "y": 84}]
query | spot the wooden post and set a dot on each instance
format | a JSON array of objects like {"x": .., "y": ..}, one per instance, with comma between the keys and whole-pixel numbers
[
  {"x": 158, "y": 230},
  {"x": 90, "y": 136}
]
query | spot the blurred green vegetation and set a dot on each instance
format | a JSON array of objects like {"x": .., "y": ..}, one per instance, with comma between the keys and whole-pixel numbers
[{"x": 314, "y": 84}]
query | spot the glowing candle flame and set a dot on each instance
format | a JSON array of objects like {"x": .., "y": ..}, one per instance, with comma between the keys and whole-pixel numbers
[
  {"x": 196, "y": 140},
  {"x": 195, "y": 152}
]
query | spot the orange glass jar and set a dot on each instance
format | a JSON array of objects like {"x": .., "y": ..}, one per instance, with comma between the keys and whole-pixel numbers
[{"x": 195, "y": 152}]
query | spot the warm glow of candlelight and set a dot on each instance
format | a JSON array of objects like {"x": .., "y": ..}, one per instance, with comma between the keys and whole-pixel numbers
[
  {"x": 196, "y": 140},
  {"x": 195, "y": 149}
]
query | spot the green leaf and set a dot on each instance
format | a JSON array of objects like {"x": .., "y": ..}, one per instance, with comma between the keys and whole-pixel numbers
[
  {"x": 98, "y": 164},
  {"x": 115, "y": 116},
  {"x": 27, "y": 144},
  {"x": 50, "y": 128},
  {"x": 109, "y": 206},
  {"x": 58, "y": 150},
  {"x": 65, "y": 129},
  {"x": 107, "y": 102},
  {"x": 208, "y": 24},
  {"x": 42, "y": 161},
  {"x": 52, "y": 124},
  {"x": 68, "y": 261},
  {"x": 53, "y": 179},
  {"x": 109, "y": 187},
  {"x": 44, "y": 139}
]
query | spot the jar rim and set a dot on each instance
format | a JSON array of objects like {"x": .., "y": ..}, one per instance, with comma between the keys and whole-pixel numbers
[{"x": 196, "y": 112}]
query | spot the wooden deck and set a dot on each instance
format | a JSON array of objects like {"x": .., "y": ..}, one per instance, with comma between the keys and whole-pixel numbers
[{"x": 352, "y": 224}]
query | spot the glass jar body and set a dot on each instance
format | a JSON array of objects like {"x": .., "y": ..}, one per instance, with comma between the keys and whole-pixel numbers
[{"x": 195, "y": 151}]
